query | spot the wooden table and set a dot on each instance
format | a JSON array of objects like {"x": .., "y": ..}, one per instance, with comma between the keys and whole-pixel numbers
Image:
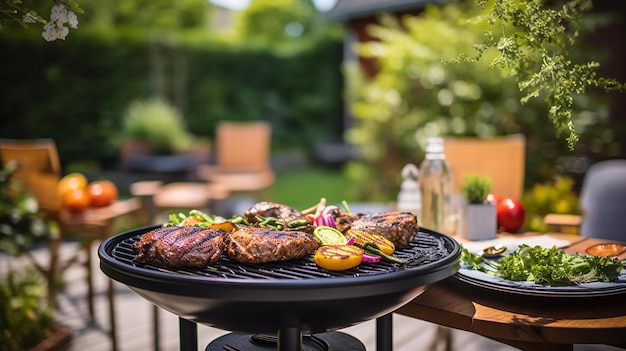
[{"x": 525, "y": 322}]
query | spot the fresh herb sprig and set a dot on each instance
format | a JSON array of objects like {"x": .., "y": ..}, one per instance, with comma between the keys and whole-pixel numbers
[{"x": 547, "y": 266}]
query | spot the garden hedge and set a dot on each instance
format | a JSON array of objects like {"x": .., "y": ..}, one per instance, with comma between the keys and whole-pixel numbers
[{"x": 76, "y": 91}]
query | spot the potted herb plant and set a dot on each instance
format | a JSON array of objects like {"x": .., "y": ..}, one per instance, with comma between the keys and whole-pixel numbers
[{"x": 478, "y": 216}]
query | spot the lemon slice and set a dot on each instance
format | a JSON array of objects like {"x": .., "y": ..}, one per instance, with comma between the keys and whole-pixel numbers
[{"x": 329, "y": 236}]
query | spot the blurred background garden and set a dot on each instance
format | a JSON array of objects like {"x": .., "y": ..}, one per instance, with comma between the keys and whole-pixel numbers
[
  {"x": 335, "y": 119},
  {"x": 350, "y": 88}
]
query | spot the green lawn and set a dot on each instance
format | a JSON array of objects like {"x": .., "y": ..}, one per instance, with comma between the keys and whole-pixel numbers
[{"x": 303, "y": 187}]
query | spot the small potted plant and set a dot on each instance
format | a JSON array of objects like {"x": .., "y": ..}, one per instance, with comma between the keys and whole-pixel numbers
[{"x": 478, "y": 216}]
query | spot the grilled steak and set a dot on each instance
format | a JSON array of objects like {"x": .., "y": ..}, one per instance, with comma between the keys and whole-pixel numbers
[
  {"x": 259, "y": 245},
  {"x": 180, "y": 247},
  {"x": 271, "y": 209},
  {"x": 399, "y": 227}
]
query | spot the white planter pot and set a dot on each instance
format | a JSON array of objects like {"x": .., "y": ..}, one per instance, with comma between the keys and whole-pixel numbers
[{"x": 478, "y": 221}]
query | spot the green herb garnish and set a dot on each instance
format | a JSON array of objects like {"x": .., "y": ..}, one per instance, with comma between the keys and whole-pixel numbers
[{"x": 550, "y": 267}]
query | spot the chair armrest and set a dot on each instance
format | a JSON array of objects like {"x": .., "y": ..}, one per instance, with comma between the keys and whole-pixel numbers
[{"x": 564, "y": 223}]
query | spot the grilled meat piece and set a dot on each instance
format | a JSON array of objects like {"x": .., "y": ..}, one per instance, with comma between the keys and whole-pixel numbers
[
  {"x": 271, "y": 209},
  {"x": 260, "y": 245},
  {"x": 180, "y": 247},
  {"x": 399, "y": 227},
  {"x": 344, "y": 221}
]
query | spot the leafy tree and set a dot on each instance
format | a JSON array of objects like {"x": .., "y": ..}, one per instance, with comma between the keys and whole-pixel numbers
[{"x": 276, "y": 21}]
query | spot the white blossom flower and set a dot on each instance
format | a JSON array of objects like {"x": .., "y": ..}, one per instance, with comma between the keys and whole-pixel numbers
[
  {"x": 59, "y": 17},
  {"x": 72, "y": 20},
  {"x": 59, "y": 13},
  {"x": 53, "y": 31}
]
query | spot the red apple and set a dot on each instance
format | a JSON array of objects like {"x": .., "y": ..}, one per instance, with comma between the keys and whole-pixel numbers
[{"x": 510, "y": 214}]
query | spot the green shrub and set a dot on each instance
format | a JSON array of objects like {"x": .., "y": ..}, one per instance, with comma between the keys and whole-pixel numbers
[
  {"x": 157, "y": 123},
  {"x": 556, "y": 196},
  {"x": 25, "y": 320}
]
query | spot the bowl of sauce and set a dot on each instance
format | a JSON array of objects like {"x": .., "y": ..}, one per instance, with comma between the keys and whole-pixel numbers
[{"x": 608, "y": 249}]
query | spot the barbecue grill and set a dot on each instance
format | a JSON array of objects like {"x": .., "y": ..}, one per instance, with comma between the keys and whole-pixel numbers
[{"x": 288, "y": 299}]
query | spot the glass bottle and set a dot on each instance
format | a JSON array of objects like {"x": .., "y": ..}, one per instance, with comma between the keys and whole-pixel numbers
[{"x": 436, "y": 188}]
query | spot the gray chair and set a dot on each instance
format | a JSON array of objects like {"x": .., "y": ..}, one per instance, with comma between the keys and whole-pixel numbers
[{"x": 603, "y": 201}]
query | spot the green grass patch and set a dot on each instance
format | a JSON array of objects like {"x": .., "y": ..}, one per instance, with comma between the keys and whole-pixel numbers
[{"x": 302, "y": 188}]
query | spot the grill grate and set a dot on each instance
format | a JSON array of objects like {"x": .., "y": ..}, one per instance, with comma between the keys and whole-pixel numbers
[{"x": 425, "y": 249}]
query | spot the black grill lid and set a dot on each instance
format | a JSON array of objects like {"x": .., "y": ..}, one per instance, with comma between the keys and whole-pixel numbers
[{"x": 262, "y": 298}]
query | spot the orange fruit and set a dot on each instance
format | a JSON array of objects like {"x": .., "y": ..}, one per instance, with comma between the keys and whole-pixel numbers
[
  {"x": 101, "y": 193},
  {"x": 71, "y": 181},
  {"x": 76, "y": 200}
]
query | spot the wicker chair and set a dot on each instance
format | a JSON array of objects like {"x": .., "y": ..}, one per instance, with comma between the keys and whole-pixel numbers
[
  {"x": 501, "y": 159},
  {"x": 243, "y": 157}
]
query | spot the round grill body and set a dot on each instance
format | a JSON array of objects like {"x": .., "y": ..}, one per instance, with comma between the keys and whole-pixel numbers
[{"x": 292, "y": 294}]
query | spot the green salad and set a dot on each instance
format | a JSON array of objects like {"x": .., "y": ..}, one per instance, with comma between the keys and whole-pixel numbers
[{"x": 547, "y": 266}]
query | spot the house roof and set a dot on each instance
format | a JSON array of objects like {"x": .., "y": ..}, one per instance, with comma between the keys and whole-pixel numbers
[{"x": 345, "y": 10}]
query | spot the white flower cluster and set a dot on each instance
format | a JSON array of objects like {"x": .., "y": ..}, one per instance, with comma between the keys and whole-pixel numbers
[{"x": 59, "y": 17}]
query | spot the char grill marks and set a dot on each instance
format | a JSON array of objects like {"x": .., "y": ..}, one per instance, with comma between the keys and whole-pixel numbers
[
  {"x": 181, "y": 246},
  {"x": 260, "y": 245},
  {"x": 399, "y": 227}
]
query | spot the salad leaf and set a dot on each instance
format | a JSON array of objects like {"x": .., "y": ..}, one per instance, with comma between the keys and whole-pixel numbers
[{"x": 547, "y": 266}]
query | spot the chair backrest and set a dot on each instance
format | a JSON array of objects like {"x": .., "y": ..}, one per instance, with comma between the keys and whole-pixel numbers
[
  {"x": 38, "y": 169},
  {"x": 602, "y": 201},
  {"x": 501, "y": 159},
  {"x": 243, "y": 146}
]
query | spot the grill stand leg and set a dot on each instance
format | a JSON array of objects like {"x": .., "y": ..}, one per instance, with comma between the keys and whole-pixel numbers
[
  {"x": 289, "y": 339},
  {"x": 188, "y": 335},
  {"x": 384, "y": 333}
]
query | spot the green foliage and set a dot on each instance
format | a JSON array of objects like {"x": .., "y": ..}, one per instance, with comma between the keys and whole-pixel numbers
[
  {"x": 158, "y": 123},
  {"x": 21, "y": 225},
  {"x": 416, "y": 94},
  {"x": 556, "y": 196},
  {"x": 273, "y": 22},
  {"x": 422, "y": 90},
  {"x": 476, "y": 188},
  {"x": 535, "y": 40},
  {"x": 25, "y": 320},
  {"x": 145, "y": 17}
]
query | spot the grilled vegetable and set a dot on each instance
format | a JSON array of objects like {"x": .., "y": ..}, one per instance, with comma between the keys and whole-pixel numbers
[
  {"x": 198, "y": 218},
  {"x": 361, "y": 238},
  {"x": 329, "y": 236},
  {"x": 224, "y": 225},
  {"x": 338, "y": 257}
]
